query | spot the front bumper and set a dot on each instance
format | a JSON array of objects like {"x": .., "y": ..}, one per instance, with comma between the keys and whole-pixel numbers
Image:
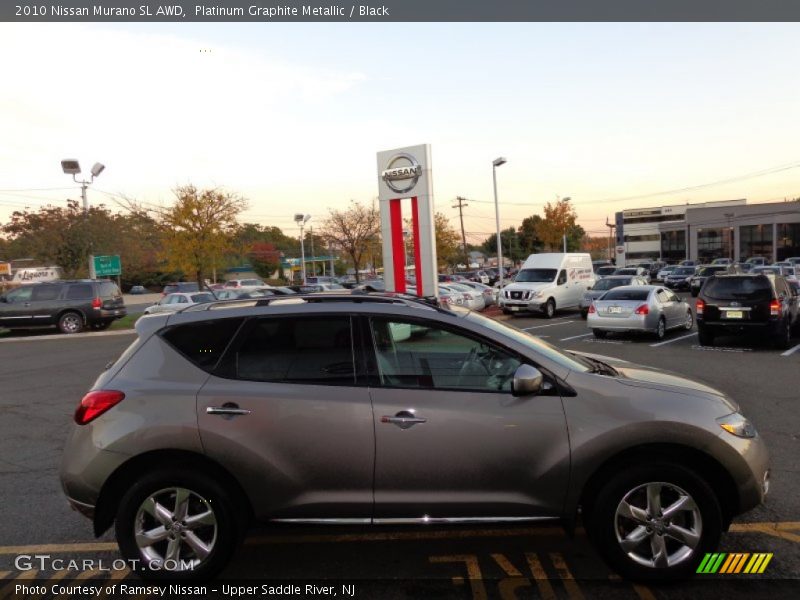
[{"x": 677, "y": 285}]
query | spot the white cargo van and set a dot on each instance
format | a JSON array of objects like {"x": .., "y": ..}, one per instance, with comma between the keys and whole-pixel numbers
[{"x": 548, "y": 282}]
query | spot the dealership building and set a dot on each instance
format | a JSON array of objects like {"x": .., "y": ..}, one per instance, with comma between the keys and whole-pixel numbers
[{"x": 705, "y": 231}]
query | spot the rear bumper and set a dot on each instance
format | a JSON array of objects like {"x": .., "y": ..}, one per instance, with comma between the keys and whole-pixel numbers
[
  {"x": 740, "y": 327},
  {"x": 646, "y": 323},
  {"x": 108, "y": 313}
]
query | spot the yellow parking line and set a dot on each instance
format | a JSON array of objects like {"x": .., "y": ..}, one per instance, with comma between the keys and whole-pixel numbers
[
  {"x": 57, "y": 576},
  {"x": 573, "y": 591},
  {"x": 768, "y": 529},
  {"x": 643, "y": 592},
  {"x": 540, "y": 577},
  {"x": 9, "y": 591}
]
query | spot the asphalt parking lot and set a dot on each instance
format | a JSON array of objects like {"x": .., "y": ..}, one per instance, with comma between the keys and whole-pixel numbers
[{"x": 46, "y": 377}]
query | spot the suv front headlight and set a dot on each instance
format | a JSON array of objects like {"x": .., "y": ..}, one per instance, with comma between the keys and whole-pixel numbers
[
  {"x": 738, "y": 425},
  {"x": 535, "y": 294}
]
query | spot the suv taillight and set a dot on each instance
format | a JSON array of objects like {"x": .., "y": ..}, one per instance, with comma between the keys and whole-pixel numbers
[
  {"x": 700, "y": 306},
  {"x": 95, "y": 404},
  {"x": 774, "y": 308},
  {"x": 591, "y": 309},
  {"x": 97, "y": 302},
  {"x": 643, "y": 309}
]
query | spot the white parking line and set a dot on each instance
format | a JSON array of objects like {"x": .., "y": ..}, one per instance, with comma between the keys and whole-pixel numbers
[
  {"x": 575, "y": 337},
  {"x": 548, "y": 325},
  {"x": 791, "y": 350},
  {"x": 683, "y": 337}
]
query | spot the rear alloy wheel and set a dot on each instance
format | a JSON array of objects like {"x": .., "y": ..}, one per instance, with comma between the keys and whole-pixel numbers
[
  {"x": 705, "y": 338},
  {"x": 177, "y": 525},
  {"x": 661, "y": 329},
  {"x": 599, "y": 334},
  {"x": 549, "y": 308},
  {"x": 689, "y": 320},
  {"x": 655, "y": 522},
  {"x": 70, "y": 322}
]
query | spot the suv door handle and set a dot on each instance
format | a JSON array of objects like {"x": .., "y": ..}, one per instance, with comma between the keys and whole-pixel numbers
[
  {"x": 404, "y": 419},
  {"x": 227, "y": 409}
]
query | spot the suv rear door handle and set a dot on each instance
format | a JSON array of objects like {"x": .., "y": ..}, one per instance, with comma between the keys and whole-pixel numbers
[
  {"x": 227, "y": 409},
  {"x": 404, "y": 419}
]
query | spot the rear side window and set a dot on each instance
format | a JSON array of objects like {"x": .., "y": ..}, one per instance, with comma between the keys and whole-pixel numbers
[
  {"x": 738, "y": 288},
  {"x": 202, "y": 343},
  {"x": 618, "y": 294},
  {"x": 46, "y": 292},
  {"x": 311, "y": 350},
  {"x": 81, "y": 291}
]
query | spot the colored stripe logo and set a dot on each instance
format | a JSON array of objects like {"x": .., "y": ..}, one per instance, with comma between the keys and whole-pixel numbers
[{"x": 734, "y": 563}]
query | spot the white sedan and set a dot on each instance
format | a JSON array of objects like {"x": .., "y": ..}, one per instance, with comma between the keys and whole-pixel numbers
[{"x": 177, "y": 301}]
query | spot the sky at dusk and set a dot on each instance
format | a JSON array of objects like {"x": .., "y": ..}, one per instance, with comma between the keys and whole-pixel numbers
[{"x": 291, "y": 115}]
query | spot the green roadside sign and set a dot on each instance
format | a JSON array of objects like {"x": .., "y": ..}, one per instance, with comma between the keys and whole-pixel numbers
[{"x": 107, "y": 265}]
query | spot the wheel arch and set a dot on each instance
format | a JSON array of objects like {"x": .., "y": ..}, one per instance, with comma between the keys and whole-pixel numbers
[
  {"x": 698, "y": 461},
  {"x": 120, "y": 480},
  {"x": 71, "y": 309}
]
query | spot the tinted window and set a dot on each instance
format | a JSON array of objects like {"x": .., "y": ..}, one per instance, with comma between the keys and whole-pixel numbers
[
  {"x": 628, "y": 294},
  {"x": 202, "y": 298},
  {"x": 80, "y": 291},
  {"x": 536, "y": 275},
  {"x": 312, "y": 350},
  {"x": 202, "y": 343},
  {"x": 46, "y": 292},
  {"x": 731, "y": 288},
  {"x": 607, "y": 284},
  {"x": 416, "y": 356},
  {"x": 22, "y": 294},
  {"x": 684, "y": 271}
]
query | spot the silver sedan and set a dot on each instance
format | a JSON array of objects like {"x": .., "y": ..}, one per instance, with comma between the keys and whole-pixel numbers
[{"x": 648, "y": 308}]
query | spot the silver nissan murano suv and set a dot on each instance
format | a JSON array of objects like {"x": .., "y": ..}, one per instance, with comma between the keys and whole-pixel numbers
[{"x": 379, "y": 409}]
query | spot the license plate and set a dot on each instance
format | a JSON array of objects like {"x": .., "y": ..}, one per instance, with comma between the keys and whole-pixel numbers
[
  {"x": 514, "y": 308},
  {"x": 615, "y": 309},
  {"x": 734, "y": 314}
]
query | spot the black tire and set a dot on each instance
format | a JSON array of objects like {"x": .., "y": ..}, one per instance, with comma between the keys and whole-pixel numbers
[
  {"x": 101, "y": 325},
  {"x": 599, "y": 334},
  {"x": 605, "y": 526},
  {"x": 784, "y": 339},
  {"x": 705, "y": 338},
  {"x": 661, "y": 329},
  {"x": 229, "y": 529},
  {"x": 70, "y": 322},
  {"x": 549, "y": 308},
  {"x": 584, "y": 313},
  {"x": 506, "y": 311},
  {"x": 694, "y": 293}
]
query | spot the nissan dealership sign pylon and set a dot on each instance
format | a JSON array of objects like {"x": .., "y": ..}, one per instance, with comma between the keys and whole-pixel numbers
[{"x": 406, "y": 173}]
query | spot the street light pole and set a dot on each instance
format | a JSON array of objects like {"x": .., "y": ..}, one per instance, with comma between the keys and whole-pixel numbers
[
  {"x": 71, "y": 166},
  {"x": 498, "y": 162},
  {"x": 301, "y": 220}
]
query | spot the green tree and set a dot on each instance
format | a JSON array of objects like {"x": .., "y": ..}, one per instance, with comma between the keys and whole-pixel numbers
[
  {"x": 352, "y": 230},
  {"x": 199, "y": 228},
  {"x": 529, "y": 241},
  {"x": 559, "y": 219},
  {"x": 511, "y": 245},
  {"x": 264, "y": 259}
]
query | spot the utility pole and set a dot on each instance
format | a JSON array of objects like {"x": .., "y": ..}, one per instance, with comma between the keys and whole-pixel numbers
[
  {"x": 313, "y": 265},
  {"x": 611, "y": 227},
  {"x": 462, "y": 202}
]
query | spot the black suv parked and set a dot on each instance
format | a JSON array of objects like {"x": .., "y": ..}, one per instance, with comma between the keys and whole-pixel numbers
[
  {"x": 69, "y": 305},
  {"x": 740, "y": 304}
]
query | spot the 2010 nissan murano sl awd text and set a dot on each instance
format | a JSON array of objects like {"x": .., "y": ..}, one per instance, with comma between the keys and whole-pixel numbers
[{"x": 383, "y": 409}]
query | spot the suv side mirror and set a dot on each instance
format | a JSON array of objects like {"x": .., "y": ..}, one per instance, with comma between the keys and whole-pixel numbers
[{"x": 527, "y": 381}]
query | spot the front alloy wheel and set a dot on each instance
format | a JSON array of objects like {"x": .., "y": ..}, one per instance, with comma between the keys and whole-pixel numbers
[
  {"x": 689, "y": 320},
  {"x": 654, "y": 520},
  {"x": 658, "y": 525}
]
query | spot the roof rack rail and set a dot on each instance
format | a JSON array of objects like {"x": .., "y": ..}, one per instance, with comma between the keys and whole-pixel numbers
[{"x": 356, "y": 296}]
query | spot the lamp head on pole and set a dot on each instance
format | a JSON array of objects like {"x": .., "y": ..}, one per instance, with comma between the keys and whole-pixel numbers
[{"x": 497, "y": 162}]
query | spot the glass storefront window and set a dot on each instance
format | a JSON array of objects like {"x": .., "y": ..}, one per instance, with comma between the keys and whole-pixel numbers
[
  {"x": 755, "y": 240},
  {"x": 788, "y": 240},
  {"x": 673, "y": 246},
  {"x": 714, "y": 243}
]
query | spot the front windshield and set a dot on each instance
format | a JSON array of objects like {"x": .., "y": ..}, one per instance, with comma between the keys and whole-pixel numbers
[
  {"x": 684, "y": 271},
  {"x": 528, "y": 340},
  {"x": 536, "y": 275},
  {"x": 607, "y": 284}
]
